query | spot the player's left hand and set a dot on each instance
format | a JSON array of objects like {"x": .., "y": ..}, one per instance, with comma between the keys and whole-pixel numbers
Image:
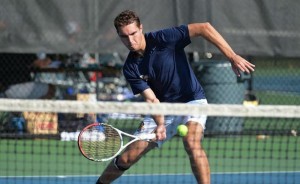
[{"x": 240, "y": 64}]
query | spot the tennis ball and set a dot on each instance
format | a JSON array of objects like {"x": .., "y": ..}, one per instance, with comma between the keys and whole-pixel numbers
[{"x": 182, "y": 130}]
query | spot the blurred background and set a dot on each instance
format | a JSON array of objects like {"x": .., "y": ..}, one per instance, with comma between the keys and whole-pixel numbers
[
  {"x": 80, "y": 34},
  {"x": 61, "y": 49},
  {"x": 69, "y": 50}
]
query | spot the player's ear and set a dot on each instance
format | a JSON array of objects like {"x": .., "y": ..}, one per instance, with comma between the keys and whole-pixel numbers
[{"x": 141, "y": 27}]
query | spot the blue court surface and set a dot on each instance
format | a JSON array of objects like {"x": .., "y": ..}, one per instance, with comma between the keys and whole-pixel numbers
[{"x": 217, "y": 178}]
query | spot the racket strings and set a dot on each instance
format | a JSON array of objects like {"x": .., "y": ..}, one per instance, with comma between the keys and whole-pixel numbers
[{"x": 100, "y": 142}]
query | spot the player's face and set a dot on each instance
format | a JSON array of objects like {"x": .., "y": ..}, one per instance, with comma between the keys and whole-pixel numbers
[{"x": 132, "y": 37}]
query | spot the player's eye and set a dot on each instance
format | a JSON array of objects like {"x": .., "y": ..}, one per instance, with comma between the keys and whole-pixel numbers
[{"x": 123, "y": 36}]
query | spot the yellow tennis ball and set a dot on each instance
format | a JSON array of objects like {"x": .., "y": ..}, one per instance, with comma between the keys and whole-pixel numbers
[{"x": 182, "y": 130}]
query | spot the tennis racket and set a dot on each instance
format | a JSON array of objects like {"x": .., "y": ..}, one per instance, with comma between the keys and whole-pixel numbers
[{"x": 102, "y": 142}]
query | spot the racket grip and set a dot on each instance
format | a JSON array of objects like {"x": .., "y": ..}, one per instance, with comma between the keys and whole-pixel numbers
[
  {"x": 147, "y": 136},
  {"x": 152, "y": 136}
]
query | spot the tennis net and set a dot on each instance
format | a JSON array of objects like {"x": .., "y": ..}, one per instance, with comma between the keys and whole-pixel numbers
[{"x": 244, "y": 144}]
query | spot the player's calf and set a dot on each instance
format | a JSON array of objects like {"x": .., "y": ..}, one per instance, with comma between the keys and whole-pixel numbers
[{"x": 118, "y": 166}]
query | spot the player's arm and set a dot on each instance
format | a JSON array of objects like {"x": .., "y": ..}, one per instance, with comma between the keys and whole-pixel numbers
[
  {"x": 150, "y": 97},
  {"x": 207, "y": 31}
]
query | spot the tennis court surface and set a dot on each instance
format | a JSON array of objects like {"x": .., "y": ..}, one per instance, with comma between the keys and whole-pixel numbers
[
  {"x": 257, "y": 145},
  {"x": 226, "y": 178}
]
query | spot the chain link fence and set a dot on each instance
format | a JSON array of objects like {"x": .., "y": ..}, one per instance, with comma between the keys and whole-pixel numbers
[
  {"x": 274, "y": 82},
  {"x": 267, "y": 31}
]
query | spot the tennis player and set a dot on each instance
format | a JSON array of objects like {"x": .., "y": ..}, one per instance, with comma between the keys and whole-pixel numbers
[{"x": 157, "y": 68}]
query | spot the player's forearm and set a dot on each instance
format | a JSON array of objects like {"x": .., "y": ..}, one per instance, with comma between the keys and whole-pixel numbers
[
  {"x": 150, "y": 97},
  {"x": 207, "y": 31},
  {"x": 159, "y": 119}
]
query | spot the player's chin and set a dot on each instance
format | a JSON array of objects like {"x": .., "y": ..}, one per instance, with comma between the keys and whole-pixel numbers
[{"x": 132, "y": 49}]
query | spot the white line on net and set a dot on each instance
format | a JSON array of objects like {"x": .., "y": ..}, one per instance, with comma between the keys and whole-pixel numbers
[{"x": 143, "y": 108}]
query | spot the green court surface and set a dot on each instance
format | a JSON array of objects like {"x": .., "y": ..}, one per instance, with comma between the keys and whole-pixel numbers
[{"x": 226, "y": 154}]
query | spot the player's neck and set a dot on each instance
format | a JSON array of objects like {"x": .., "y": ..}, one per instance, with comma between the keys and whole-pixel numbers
[{"x": 143, "y": 48}]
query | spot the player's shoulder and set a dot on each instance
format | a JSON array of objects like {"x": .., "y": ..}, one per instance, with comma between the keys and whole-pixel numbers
[
  {"x": 130, "y": 63},
  {"x": 132, "y": 59},
  {"x": 169, "y": 30},
  {"x": 168, "y": 36}
]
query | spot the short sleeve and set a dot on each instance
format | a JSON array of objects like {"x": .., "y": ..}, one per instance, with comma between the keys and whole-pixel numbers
[{"x": 134, "y": 79}]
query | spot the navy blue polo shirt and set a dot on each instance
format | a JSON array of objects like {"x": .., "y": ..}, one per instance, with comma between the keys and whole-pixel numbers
[{"x": 164, "y": 67}]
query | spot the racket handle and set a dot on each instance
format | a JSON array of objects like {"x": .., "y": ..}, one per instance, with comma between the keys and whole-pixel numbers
[{"x": 147, "y": 136}]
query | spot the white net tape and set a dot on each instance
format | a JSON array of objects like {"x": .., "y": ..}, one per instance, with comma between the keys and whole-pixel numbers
[{"x": 64, "y": 106}]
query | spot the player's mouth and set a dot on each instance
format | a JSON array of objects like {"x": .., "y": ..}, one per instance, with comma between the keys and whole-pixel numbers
[{"x": 131, "y": 47}]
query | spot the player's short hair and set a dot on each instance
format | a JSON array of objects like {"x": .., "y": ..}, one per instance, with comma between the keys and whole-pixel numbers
[{"x": 125, "y": 18}]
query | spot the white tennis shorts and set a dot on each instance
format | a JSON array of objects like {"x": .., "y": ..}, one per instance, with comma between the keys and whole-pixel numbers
[{"x": 148, "y": 125}]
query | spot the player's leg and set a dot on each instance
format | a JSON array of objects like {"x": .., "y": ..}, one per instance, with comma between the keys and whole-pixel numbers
[
  {"x": 197, "y": 155},
  {"x": 132, "y": 153},
  {"x": 123, "y": 162}
]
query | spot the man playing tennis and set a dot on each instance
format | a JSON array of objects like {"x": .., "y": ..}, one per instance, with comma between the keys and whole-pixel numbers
[{"x": 157, "y": 68}]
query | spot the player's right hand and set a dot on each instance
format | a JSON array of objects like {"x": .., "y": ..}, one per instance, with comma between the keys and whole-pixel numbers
[{"x": 161, "y": 132}]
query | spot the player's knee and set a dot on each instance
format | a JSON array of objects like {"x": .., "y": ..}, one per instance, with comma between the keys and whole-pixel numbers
[
  {"x": 191, "y": 146},
  {"x": 121, "y": 164},
  {"x": 192, "y": 143}
]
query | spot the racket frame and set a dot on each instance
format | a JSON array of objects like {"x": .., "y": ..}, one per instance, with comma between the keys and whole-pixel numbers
[{"x": 143, "y": 137}]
